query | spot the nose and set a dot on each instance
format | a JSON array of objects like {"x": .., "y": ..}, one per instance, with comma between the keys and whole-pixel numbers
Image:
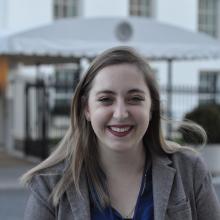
[{"x": 120, "y": 111}]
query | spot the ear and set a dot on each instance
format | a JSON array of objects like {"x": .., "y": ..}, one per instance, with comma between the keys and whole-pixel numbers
[
  {"x": 87, "y": 113},
  {"x": 86, "y": 108}
]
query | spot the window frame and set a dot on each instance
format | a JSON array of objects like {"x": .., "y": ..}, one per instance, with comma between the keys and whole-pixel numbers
[
  {"x": 141, "y": 8},
  {"x": 65, "y": 8},
  {"x": 208, "y": 18},
  {"x": 209, "y": 86}
]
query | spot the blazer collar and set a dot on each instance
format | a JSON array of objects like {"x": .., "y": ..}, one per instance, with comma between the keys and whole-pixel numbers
[
  {"x": 80, "y": 205},
  {"x": 162, "y": 179}
]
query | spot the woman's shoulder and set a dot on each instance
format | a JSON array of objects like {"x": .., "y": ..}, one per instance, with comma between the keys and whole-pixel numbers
[
  {"x": 44, "y": 180},
  {"x": 188, "y": 155},
  {"x": 189, "y": 161}
]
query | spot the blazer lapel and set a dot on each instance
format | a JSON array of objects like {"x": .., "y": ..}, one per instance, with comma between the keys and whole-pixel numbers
[
  {"x": 162, "y": 177},
  {"x": 79, "y": 205}
]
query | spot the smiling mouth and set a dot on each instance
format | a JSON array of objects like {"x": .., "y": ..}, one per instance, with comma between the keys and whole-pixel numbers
[{"x": 120, "y": 131}]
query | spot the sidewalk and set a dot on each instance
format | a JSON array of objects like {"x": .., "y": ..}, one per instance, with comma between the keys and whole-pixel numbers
[{"x": 11, "y": 168}]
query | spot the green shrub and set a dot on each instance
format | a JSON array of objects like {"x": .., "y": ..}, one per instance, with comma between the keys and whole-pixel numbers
[{"x": 208, "y": 116}]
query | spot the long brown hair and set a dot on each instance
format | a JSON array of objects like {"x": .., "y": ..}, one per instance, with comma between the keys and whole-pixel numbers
[{"x": 79, "y": 146}]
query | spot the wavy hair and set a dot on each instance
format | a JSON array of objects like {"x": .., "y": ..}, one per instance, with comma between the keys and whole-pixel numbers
[{"x": 78, "y": 148}]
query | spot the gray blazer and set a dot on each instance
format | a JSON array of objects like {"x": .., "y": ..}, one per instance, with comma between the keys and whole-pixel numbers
[{"x": 182, "y": 190}]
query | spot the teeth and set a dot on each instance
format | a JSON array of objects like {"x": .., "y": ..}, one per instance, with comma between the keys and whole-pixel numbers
[{"x": 120, "y": 129}]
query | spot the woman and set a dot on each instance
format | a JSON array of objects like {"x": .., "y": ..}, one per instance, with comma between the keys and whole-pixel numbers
[{"x": 114, "y": 162}]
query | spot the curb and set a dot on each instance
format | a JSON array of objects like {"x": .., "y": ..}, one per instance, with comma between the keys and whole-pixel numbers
[{"x": 11, "y": 186}]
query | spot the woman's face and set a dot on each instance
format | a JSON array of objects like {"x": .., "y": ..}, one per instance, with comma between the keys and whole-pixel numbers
[{"x": 118, "y": 107}]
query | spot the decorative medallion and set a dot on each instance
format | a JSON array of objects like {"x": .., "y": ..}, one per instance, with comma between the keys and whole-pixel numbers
[{"x": 124, "y": 31}]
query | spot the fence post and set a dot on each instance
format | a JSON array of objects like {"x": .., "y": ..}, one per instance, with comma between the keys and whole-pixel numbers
[
  {"x": 169, "y": 98},
  {"x": 45, "y": 147},
  {"x": 27, "y": 136}
]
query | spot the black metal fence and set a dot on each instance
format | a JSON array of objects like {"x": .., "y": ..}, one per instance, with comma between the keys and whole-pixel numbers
[
  {"x": 186, "y": 98},
  {"x": 48, "y": 109}
]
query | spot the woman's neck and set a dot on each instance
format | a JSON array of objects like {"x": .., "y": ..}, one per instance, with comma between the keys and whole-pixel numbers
[
  {"x": 130, "y": 162},
  {"x": 124, "y": 171}
]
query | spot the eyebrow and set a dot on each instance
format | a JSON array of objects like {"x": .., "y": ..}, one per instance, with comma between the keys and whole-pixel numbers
[
  {"x": 136, "y": 91},
  {"x": 113, "y": 93}
]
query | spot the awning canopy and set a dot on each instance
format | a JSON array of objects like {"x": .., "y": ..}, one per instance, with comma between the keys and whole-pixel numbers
[{"x": 67, "y": 40}]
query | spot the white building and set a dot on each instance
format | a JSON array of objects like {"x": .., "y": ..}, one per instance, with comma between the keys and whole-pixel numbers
[{"x": 195, "y": 15}]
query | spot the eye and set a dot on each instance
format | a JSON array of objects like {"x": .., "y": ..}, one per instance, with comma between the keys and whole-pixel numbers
[
  {"x": 105, "y": 100},
  {"x": 136, "y": 99}
]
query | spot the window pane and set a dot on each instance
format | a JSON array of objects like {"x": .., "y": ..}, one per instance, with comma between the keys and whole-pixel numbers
[
  {"x": 209, "y": 86},
  {"x": 141, "y": 8},
  {"x": 208, "y": 19},
  {"x": 56, "y": 12},
  {"x": 65, "y": 8}
]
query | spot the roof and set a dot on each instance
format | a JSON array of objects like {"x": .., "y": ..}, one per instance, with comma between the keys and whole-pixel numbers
[{"x": 69, "y": 39}]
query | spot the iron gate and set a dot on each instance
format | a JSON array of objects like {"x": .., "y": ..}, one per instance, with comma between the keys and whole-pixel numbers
[{"x": 46, "y": 116}]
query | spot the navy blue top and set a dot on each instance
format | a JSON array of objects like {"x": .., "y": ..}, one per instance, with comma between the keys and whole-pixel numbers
[{"x": 144, "y": 207}]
